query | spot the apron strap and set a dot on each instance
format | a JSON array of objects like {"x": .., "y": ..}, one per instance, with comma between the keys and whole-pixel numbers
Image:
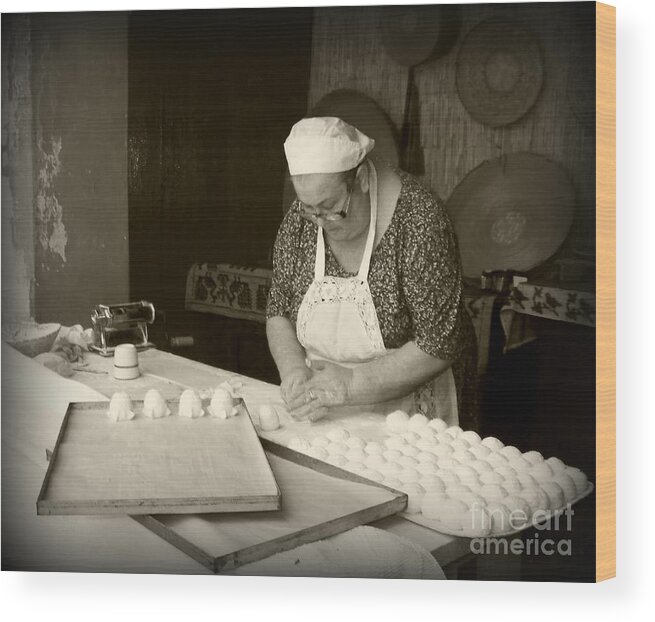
[
  {"x": 373, "y": 197},
  {"x": 319, "y": 263}
]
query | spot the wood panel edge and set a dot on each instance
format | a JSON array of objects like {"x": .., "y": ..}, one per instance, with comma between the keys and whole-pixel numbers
[{"x": 605, "y": 291}]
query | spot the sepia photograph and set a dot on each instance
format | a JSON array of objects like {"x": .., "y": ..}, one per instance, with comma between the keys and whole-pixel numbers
[{"x": 309, "y": 291}]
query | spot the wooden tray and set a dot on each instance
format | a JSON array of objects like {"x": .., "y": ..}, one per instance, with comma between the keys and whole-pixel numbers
[
  {"x": 318, "y": 500},
  {"x": 171, "y": 465}
]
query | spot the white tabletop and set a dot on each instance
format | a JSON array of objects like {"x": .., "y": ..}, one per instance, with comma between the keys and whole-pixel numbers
[{"x": 34, "y": 401}]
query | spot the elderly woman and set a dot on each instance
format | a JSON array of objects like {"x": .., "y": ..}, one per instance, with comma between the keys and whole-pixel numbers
[{"x": 366, "y": 311}]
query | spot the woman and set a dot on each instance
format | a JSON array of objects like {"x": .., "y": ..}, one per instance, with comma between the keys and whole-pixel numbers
[{"x": 366, "y": 311}]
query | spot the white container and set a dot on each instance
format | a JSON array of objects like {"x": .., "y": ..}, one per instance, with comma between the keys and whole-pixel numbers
[{"x": 126, "y": 362}]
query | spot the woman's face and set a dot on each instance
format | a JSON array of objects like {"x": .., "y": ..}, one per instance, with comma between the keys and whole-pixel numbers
[{"x": 329, "y": 193}]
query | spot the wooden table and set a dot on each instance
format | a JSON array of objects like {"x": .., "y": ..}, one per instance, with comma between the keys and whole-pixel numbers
[{"x": 34, "y": 401}]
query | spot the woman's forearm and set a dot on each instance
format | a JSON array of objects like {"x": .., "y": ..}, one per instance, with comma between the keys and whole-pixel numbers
[
  {"x": 287, "y": 352},
  {"x": 394, "y": 375}
]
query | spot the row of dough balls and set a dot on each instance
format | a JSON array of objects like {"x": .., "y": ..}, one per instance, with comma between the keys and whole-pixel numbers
[
  {"x": 222, "y": 405},
  {"x": 457, "y": 479}
]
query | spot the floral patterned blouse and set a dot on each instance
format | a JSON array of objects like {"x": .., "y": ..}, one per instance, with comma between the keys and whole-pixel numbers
[{"x": 414, "y": 278}]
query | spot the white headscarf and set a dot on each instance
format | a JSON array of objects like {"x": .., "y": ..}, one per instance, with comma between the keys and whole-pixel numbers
[{"x": 325, "y": 145}]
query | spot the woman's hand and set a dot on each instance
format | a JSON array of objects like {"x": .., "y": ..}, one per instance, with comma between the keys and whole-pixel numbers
[
  {"x": 293, "y": 384},
  {"x": 330, "y": 385}
]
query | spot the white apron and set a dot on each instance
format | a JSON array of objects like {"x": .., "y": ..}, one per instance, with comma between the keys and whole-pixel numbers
[{"x": 337, "y": 322}]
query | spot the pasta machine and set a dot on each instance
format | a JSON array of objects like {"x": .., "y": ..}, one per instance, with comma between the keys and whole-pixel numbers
[{"x": 121, "y": 323}]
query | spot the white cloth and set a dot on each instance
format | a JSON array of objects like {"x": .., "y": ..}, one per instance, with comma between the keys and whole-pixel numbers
[
  {"x": 363, "y": 552},
  {"x": 325, "y": 145},
  {"x": 337, "y": 322}
]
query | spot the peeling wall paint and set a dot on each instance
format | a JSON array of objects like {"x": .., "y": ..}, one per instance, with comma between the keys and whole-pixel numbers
[
  {"x": 51, "y": 231},
  {"x": 80, "y": 208}
]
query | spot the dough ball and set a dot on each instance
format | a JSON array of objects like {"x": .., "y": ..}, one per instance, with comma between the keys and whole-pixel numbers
[
  {"x": 154, "y": 405},
  {"x": 457, "y": 490},
  {"x": 426, "y": 433},
  {"x": 491, "y": 477},
  {"x": 432, "y": 483},
  {"x": 408, "y": 475},
  {"x": 425, "y": 446},
  {"x": 520, "y": 465},
  {"x": 481, "y": 466},
  {"x": 355, "y": 467},
  {"x": 491, "y": 442},
  {"x": 318, "y": 452},
  {"x": 448, "y": 463},
  {"x": 338, "y": 435},
  {"x": 355, "y": 442},
  {"x": 459, "y": 444},
  {"x": 555, "y": 494},
  {"x": 425, "y": 456},
  {"x": 480, "y": 451},
  {"x": 356, "y": 455},
  {"x": 567, "y": 485},
  {"x": 411, "y": 438},
  {"x": 392, "y": 455},
  {"x": 448, "y": 477},
  {"x": 493, "y": 492},
  {"x": 442, "y": 450},
  {"x": 268, "y": 418},
  {"x": 438, "y": 425},
  {"x": 454, "y": 431},
  {"x": 451, "y": 514},
  {"x": 496, "y": 460},
  {"x": 510, "y": 452},
  {"x": 407, "y": 461},
  {"x": 337, "y": 460},
  {"x": 506, "y": 471},
  {"x": 389, "y": 469},
  {"x": 395, "y": 442},
  {"x": 536, "y": 499},
  {"x": 426, "y": 468},
  {"x": 526, "y": 480},
  {"x": 476, "y": 521},
  {"x": 433, "y": 501},
  {"x": 542, "y": 472},
  {"x": 409, "y": 450},
  {"x": 222, "y": 405},
  {"x": 472, "y": 499},
  {"x": 299, "y": 444},
  {"x": 463, "y": 456},
  {"x": 471, "y": 437},
  {"x": 415, "y": 494},
  {"x": 500, "y": 518},
  {"x": 336, "y": 448},
  {"x": 393, "y": 482},
  {"x": 374, "y": 461},
  {"x": 443, "y": 438},
  {"x": 579, "y": 478},
  {"x": 520, "y": 512},
  {"x": 512, "y": 486},
  {"x": 120, "y": 407},
  {"x": 533, "y": 457},
  {"x": 556, "y": 465},
  {"x": 373, "y": 475},
  {"x": 398, "y": 421},
  {"x": 467, "y": 476},
  {"x": 373, "y": 448},
  {"x": 417, "y": 422},
  {"x": 190, "y": 405},
  {"x": 320, "y": 441}
]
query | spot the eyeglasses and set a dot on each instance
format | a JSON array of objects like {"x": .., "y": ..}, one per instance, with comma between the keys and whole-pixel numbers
[{"x": 330, "y": 216}]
